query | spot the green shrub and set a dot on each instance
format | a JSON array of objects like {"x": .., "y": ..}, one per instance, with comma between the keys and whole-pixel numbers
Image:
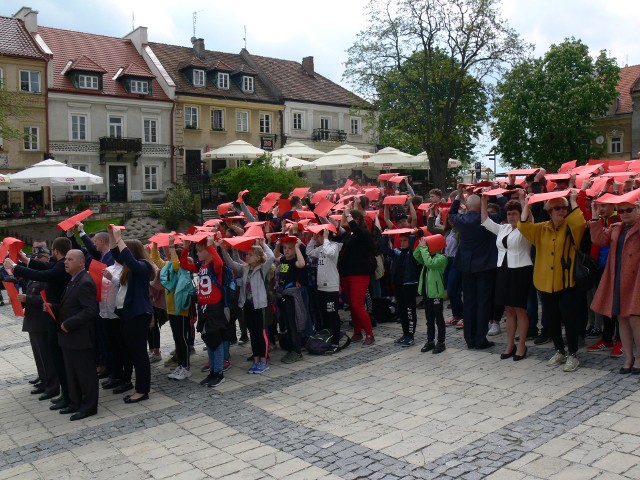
[{"x": 178, "y": 207}]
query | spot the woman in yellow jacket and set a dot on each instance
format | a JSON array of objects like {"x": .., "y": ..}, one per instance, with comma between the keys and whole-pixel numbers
[
  {"x": 178, "y": 319},
  {"x": 553, "y": 272}
]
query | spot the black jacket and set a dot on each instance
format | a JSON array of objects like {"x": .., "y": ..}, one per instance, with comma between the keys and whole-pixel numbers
[
  {"x": 53, "y": 273},
  {"x": 35, "y": 319},
  {"x": 77, "y": 312},
  {"x": 357, "y": 254}
]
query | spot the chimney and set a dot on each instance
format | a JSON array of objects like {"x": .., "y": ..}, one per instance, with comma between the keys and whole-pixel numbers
[
  {"x": 29, "y": 17},
  {"x": 307, "y": 66},
  {"x": 198, "y": 46}
]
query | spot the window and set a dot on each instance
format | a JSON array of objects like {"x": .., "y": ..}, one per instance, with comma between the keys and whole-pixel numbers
[
  {"x": 198, "y": 78},
  {"x": 31, "y": 138},
  {"x": 191, "y": 117},
  {"x": 297, "y": 121},
  {"x": 139, "y": 86},
  {"x": 217, "y": 119},
  {"x": 29, "y": 81},
  {"x": 151, "y": 177},
  {"x": 78, "y": 127},
  {"x": 150, "y": 127},
  {"x": 325, "y": 123},
  {"x": 247, "y": 84},
  {"x": 88, "y": 81},
  {"x": 616, "y": 144},
  {"x": 116, "y": 127},
  {"x": 223, "y": 81},
  {"x": 82, "y": 167},
  {"x": 265, "y": 123},
  {"x": 242, "y": 121},
  {"x": 355, "y": 126}
]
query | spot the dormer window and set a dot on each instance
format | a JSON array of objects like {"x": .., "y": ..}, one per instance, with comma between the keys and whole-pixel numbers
[
  {"x": 198, "y": 78},
  {"x": 88, "y": 81},
  {"x": 223, "y": 81},
  {"x": 247, "y": 84},
  {"x": 140, "y": 87}
]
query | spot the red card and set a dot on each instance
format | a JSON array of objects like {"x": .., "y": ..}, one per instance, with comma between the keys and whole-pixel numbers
[
  {"x": 288, "y": 239},
  {"x": 195, "y": 237},
  {"x": 240, "y": 195},
  {"x": 319, "y": 195},
  {"x": 269, "y": 201},
  {"x": 320, "y": 228},
  {"x": 397, "y": 178},
  {"x": 254, "y": 232},
  {"x": 542, "y": 197},
  {"x": 211, "y": 223},
  {"x": 95, "y": 270},
  {"x": 223, "y": 208},
  {"x": 304, "y": 214},
  {"x": 618, "y": 168},
  {"x": 565, "y": 167},
  {"x": 253, "y": 224},
  {"x": 523, "y": 171},
  {"x": 162, "y": 239},
  {"x": 304, "y": 222},
  {"x": 585, "y": 169},
  {"x": 12, "y": 246},
  {"x": 323, "y": 208},
  {"x": 10, "y": 287},
  {"x": 116, "y": 227},
  {"x": 397, "y": 231},
  {"x": 598, "y": 185},
  {"x": 395, "y": 200},
  {"x": 299, "y": 192},
  {"x": 436, "y": 242},
  {"x": 386, "y": 176},
  {"x": 71, "y": 221},
  {"x": 47, "y": 307},
  {"x": 498, "y": 191},
  {"x": 240, "y": 243},
  {"x": 284, "y": 205},
  {"x": 631, "y": 197},
  {"x": 634, "y": 165}
]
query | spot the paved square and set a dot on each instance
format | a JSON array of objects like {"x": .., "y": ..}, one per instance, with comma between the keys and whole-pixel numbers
[{"x": 383, "y": 412}]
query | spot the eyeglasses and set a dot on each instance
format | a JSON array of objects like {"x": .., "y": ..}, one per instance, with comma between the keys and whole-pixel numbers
[
  {"x": 559, "y": 208},
  {"x": 626, "y": 210}
]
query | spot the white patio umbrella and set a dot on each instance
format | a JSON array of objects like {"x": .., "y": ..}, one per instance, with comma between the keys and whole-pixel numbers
[
  {"x": 291, "y": 163},
  {"x": 51, "y": 173},
  {"x": 298, "y": 150},
  {"x": 238, "y": 149},
  {"x": 340, "y": 162},
  {"x": 390, "y": 157},
  {"x": 348, "y": 150}
]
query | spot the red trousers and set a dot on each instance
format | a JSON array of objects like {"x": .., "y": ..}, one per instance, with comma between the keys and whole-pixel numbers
[{"x": 354, "y": 288}]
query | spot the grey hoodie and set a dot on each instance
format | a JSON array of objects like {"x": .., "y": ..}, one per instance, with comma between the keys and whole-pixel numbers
[{"x": 327, "y": 254}]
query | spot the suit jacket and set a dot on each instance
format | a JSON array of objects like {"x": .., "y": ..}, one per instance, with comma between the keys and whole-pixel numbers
[
  {"x": 77, "y": 312},
  {"x": 35, "y": 319},
  {"x": 53, "y": 273},
  {"x": 106, "y": 258}
]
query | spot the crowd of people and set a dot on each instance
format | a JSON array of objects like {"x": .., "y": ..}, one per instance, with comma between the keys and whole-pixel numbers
[{"x": 280, "y": 274}]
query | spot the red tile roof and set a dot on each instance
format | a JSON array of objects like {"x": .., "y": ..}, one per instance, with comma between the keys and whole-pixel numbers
[
  {"x": 16, "y": 41},
  {"x": 135, "y": 70},
  {"x": 628, "y": 79},
  {"x": 288, "y": 77},
  {"x": 192, "y": 62},
  {"x": 87, "y": 65},
  {"x": 173, "y": 58},
  {"x": 109, "y": 53}
]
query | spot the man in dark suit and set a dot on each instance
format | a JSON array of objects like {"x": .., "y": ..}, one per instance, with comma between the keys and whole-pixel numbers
[
  {"x": 76, "y": 316},
  {"x": 477, "y": 260}
]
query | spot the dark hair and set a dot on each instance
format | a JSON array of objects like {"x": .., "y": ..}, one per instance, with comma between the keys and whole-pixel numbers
[
  {"x": 138, "y": 251},
  {"x": 513, "y": 205},
  {"x": 417, "y": 200},
  {"x": 436, "y": 191},
  {"x": 357, "y": 216},
  {"x": 61, "y": 244},
  {"x": 295, "y": 201},
  {"x": 364, "y": 201}
]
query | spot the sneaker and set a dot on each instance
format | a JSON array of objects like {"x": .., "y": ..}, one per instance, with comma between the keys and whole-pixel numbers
[
  {"x": 252, "y": 368},
  {"x": 572, "y": 364},
  {"x": 616, "y": 352},
  {"x": 175, "y": 372},
  {"x": 460, "y": 324},
  {"x": 494, "y": 329},
  {"x": 557, "y": 359},
  {"x": 205, "y": 367},
  {"x": 430, "y": 345},
  {"x": 263, "y": 367},
  {"x": 171, "y": 362},
  {"x": 439, "y": 348},
  {"x": 217, "y": 379},
  {"x": 208, "y": 378},
  {"x": 542, "y": 339},
  {"x": 600, "y": 346},
  {"x": 226, "y": 365},
  {"x": 357, "y": 337},
  {"x": 182, "y": 374},
  {"x": 408, "y": 341},
  {"x": 400, "y": 340},
  {"x": 369, "y": 341},
  {"x": 155, "y": 357},
  {"x": 594, "y": 332}
]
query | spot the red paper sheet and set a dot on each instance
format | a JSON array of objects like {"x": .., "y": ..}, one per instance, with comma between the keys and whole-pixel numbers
[
  {"x": 585, "y": 169},
  {"x": 211, "y": 223},
  {"x": 319, "y": 195},
  {"x": 395, "y": 200},
  {"x": 223, "y": 208},
  {"x": 386, "y": 176},
  {"x": 397, "y": 178},
  {"x": 162, "y": 239},
  {"x": 397, "y": 231},
  {"x": 71, "y": 221},
  {"x": 348, "y": 183},
  {"x": 323, "y": 208},
  {"x": 618, "y": 168},
  {"x": 498, "y": 191},
  {"x": 240, "y": 243},
  {"x": 10, "y": 287},
  {"x": 12, "y": 246},
  {"x": 254, "y": 232},
  {"x": 543, "y": 197},
  {"x": 47, "y": 307},
  {"x": 632, "y": 197},
  {"x": 117, "y": 227},
  {"x": 553, "y": 177},
  {"x": 284, "y": 205},
  {"x": 565, "y": 167},
  {"x": 523, "y": 171},
  {"x": 253, "y": 224},
  {"x": 195, "y": 237},
  {"x": 95, "y": 270},
  {"x": 240, "y": 195},
  {"x": 269, "y": 201},
  {"x": 320, "y": 228},
  {"x": 598, "y": 185},
  {"x": 299, "y": 192},
  {"x": 304, "y": 214},
  {"x": 436, "y": 242}
]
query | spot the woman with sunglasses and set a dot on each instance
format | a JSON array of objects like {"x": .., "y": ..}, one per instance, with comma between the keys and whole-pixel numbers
[
  {"x": 556, "y": 243},
  {"x": 619, "y": 290}
]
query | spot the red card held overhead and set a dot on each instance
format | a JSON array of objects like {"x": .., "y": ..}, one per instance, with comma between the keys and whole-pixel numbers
[
  {"x": 304, "y": 214},
  {"x": 397, "y": 178},
  {"x": 116, "y": 227},
  {"x": 254, "y": 224},
  {"x": 386, "y": 176},
  {"x": 397, "y": 231},
  {"x": 240, "y": 195},
  {"x": 565, "y": 167},
  {"x": 224, "y": 208},
  {"x": 299, "y": 192},
  {"x": 11, "y": 246},
  {"x": 95, "y": 270},
  {"x": 211, "y": 223},
  {"x": 195, "y": 237},
  {"x": 319, "y": 195},
  {"x": 395, "y": 200},
  {"x": 269, "y": 201},
  {"x": 523, "y": 171},
  {"x": 254, "y": 232},
  {"x": 71, "y": 221},
  {"x": 543, "y": 197},
  {"x": 10, "y": 287},
  {"x": 499, "y": 191},
  {"x": 319, "y": 228},
  {"x": 373, "y": 194},
  {"x": 284, "y": 205},
  {"x": 323, "y": 208},
  {"x": 240, "y": 243},
  {"x": 630, "y": 197}
]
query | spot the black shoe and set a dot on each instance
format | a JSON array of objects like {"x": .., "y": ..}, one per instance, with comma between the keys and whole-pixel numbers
[
  {"x": 128, "y": 398},
  {"x": 208, "y": 378},
  {"x": 216, "y": 380},
  {"x": 68, "y": 410},
  {"x": 58, "y": 399},
  {"x": 104, "y": 374},
  {"x": 61, "y": 405},
  {"x": 542, "y": 339},
  {"x": 484, "y": 345},
  {"x": 37, "y": 391},
  {"x": 400, "y": 340},
  {"x": 504, "y": 356},
  {"x": 439, "y": 348},
  {"x": 430, "y": 345},
  {"x": 47, "y": 396},
  {"x": 125, "y": 387},
  {"x": 517, "y": 358},
  {"x": 111, "y": 383},
  {"x": 625, "y": 370},
  {"x": 471, "y": 346},
  {"x": 81, "y": 415},
  {"x": 34, "y": 381},
  {"x": 408, "y": 341}
]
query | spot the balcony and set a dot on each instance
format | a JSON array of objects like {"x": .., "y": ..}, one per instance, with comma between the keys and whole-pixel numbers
[
  {"x": 120, "y": 145},
  {"x": 329, "y": 135}
]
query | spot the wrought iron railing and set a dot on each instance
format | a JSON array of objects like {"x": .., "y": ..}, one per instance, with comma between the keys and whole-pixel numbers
[
  {"x": 120, "y": 144},
  {"x": 329, "y": 135}
]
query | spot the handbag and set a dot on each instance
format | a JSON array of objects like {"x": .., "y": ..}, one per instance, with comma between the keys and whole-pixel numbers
[{"x": 585, "y": 269}]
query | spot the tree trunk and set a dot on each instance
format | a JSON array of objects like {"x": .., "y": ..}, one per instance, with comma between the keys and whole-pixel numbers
[{"x": 438, "y": 173}]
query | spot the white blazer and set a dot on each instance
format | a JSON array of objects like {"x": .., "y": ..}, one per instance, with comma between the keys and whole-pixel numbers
[{"x": 518, "y": 249}]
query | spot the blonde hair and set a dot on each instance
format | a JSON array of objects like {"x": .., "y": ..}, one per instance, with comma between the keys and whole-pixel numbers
[
  {"x": 556, "y": 202},
  {"x": 256, "y": 250}
]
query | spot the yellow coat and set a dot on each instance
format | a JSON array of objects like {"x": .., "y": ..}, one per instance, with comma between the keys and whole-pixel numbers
[{"x": 552, "y": 245}]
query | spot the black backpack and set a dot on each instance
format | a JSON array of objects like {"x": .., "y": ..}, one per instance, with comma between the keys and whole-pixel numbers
[{"x": 320, "y": 343}]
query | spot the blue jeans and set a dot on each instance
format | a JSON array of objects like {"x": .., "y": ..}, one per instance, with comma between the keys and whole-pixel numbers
[{"x": 216, "y": 358}]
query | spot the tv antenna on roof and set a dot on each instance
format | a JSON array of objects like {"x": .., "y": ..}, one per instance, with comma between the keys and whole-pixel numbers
[{"x": 194, "y": 21}]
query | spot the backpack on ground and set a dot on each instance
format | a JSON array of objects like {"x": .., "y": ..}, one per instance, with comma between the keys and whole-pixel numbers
[
  {"x": 320, "y": 343},
  {"x": 229, "y": 287}
]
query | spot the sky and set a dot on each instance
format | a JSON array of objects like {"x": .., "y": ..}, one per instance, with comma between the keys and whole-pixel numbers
[{"x": 293, "y": 29}]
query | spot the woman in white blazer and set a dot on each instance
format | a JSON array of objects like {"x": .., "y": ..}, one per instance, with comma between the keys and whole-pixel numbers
[{"x": 515, "y": 274}]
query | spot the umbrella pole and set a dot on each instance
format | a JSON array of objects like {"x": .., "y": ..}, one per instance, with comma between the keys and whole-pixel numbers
[{"x": 51, "y": 198}]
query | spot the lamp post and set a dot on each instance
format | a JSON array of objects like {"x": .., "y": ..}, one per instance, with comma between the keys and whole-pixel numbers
[{"x": 492, "y": 156}]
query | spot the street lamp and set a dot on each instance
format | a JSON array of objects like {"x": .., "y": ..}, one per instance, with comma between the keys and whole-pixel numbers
[{"x": 492, "y": 156}]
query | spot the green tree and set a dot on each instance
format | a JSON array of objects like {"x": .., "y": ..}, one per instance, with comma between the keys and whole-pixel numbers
[
  {"x": 543, "y": 115},
  {"x": 178, "y": 206},
  {"x": 12, "y": 108},
  {"x": 260, "y": 177},
  {"x": 427, "y": 65}
]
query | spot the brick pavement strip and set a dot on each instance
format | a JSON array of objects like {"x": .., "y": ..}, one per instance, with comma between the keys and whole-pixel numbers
[{"x": 254, "y": 436}]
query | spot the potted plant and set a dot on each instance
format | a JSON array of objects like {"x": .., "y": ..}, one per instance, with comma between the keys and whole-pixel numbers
[
  {"x": 104, "y": 207},
  {"x": 40, "y": 211},
  {"x": 82, "y": 206},
  {"x": 64, "y": 210},
  {"x": 16, "y": 210}
]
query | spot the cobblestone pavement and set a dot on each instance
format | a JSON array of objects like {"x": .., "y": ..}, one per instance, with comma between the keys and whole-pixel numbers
[{"x": 382, "y": 412}]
